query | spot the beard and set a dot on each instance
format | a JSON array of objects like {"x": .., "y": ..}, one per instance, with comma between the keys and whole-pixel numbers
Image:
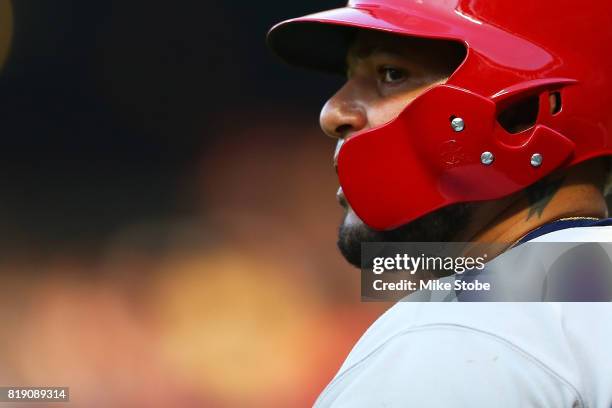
[{"x": 439, "y": 226}]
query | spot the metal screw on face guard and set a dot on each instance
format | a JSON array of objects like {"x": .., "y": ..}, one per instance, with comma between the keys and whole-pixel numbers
[
  {"x": 457, "y": 124},
  {"x": 487, "y": 158},
  {"x": 536, "y": 160}
]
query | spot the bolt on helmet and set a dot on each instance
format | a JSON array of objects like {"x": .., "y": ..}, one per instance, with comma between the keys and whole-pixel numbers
[{"x": 549, "y": 59}]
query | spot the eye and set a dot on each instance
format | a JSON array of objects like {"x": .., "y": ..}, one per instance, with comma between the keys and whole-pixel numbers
[{"x": 392, "y": 75}]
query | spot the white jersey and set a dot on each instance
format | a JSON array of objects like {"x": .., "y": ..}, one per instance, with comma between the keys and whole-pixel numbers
[{"x": 549, "y": 355}]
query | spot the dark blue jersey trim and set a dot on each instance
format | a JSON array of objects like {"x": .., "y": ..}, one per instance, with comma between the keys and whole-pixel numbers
[{"x": 564, "y": 224}]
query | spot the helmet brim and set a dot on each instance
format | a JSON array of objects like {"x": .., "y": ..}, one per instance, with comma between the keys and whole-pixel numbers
[{"x": 320, "y": 41}]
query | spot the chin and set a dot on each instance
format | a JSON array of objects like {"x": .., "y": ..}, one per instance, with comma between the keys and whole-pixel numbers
[
  {"x": 439, "y": 226},
  {"x": 352, "y": 233}
]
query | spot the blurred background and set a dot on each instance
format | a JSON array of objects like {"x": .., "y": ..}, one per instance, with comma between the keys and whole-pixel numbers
[{"x": 168, "y": 209}]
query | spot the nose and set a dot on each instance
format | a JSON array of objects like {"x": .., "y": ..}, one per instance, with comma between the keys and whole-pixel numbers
[{"x": 343, "y": 115}]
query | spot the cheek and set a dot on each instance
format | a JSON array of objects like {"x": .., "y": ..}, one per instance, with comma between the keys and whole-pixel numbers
[{"x": 388, "y": 108}]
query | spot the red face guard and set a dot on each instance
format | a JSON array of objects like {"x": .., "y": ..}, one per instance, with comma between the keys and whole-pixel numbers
[{"x": 419, "y": 162}]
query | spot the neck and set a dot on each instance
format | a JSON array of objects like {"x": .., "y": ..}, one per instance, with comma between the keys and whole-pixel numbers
[{"x": 506, "y": 221}]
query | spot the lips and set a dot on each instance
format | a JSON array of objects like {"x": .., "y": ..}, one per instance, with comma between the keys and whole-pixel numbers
[
  {"x": 336, "y": 153},
  {"x": 341, "y": 198}
]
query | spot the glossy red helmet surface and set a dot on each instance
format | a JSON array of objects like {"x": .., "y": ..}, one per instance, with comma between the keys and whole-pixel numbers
[{"x": 451, "y": 144}]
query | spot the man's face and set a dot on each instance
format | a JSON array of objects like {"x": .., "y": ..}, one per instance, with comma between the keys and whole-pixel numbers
[{"x": 385, "y": 73}]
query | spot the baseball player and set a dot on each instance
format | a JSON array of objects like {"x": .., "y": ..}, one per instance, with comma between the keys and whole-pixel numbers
[{"x": 479, "y": 121}]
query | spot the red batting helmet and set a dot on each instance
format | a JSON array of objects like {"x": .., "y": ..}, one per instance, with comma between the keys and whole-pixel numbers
[{"x": 451, "y": 144}]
